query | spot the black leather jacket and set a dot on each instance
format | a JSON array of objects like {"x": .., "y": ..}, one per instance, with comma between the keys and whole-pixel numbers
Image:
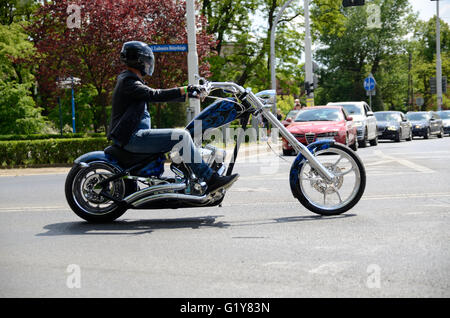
[{"x": 128, "y": 104}]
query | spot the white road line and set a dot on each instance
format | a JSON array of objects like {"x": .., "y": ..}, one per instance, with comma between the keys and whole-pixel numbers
[{"x": 404, "y": 162}]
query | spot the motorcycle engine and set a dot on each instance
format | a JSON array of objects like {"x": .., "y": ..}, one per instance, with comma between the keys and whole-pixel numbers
[{"x": 211, "y": 154}]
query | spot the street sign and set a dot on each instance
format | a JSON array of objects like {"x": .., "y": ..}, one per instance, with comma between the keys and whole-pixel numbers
[
  {"x": 369, "y": 83},
  {"x": 169, "y": 47},
  {"x": 419, "y": 101},
  {"x": 352, "y": 3}
]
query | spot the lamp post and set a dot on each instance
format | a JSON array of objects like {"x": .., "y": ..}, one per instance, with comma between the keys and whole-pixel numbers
[
  {"x": 309, "y": 78},
  {"x": 69, "y": 82},
  {"x": 194, "y": 103},
  {"x": 438, "y": 60},
  {"x": 272, "y": 54}
]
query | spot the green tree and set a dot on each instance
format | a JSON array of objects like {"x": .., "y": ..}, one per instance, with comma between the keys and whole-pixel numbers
[
  {"x": 350, "y": 50},
  {"x": 18, "y": 114},
  {"x": 243, "y": 49}
]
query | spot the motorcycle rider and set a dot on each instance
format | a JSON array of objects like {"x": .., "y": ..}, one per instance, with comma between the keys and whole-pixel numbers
[{"x": 130, "y": 126}]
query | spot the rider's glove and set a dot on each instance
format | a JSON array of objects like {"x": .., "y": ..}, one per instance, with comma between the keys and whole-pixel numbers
[{"x": 193, "y": 91}]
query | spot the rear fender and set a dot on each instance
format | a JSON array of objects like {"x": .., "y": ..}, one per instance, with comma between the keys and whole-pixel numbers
[{"x": 97, "y": 156}]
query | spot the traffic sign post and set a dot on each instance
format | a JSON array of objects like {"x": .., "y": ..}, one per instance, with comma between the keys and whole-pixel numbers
[{"x": 369, "y": 86}]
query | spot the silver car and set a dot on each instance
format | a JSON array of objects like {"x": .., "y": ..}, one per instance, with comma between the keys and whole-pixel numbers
[{"x": 365, "y": 121}]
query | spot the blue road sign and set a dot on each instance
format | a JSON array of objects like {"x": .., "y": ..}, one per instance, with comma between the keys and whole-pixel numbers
[
  {"x": 169, "y": 47},
  {"x": 369, "y": 83}
]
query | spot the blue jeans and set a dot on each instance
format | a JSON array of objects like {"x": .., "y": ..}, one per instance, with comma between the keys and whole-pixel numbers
[{"x": 164, "y": 140}]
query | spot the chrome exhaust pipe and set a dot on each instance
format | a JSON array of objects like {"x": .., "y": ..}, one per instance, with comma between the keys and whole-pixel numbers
[
  {"x": 157, "y": 188},
  {"x": 172, "y": 196}
]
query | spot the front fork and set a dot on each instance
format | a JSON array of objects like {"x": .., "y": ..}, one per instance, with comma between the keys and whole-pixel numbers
[{"x": 299, "y": 147}]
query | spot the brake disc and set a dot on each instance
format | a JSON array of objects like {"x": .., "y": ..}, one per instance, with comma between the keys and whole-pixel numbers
[{"x": 320, "y": 185}]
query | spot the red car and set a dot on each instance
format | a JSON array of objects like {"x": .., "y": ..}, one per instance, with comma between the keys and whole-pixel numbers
[{"x": 322, "y": 122}]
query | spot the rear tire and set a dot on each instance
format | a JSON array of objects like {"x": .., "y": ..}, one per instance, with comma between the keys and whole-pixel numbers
[
  {"x": 77, "y": 194},
  {"x": 374, "y": 141}
]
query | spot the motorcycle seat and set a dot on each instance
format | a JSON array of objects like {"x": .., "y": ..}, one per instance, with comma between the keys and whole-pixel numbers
[{"x": 128, "y": 159}]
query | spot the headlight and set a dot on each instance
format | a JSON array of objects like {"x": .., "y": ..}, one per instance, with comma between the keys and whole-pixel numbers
[
  {"x": 358, "y": 123},
  {"x": 392, "y": 128},
  {"x": 418, "y": 126}
]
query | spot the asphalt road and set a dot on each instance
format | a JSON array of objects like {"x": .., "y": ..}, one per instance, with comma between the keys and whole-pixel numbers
[{"x": 261, "y": 243}]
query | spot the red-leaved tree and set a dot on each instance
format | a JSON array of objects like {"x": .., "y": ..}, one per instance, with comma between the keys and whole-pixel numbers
[{"x": 83, "y": 38}]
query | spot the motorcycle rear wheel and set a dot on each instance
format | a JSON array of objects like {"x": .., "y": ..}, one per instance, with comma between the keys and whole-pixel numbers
[
  {"x": 325, "y": 198},
  {"x": 85, "y": 202}
]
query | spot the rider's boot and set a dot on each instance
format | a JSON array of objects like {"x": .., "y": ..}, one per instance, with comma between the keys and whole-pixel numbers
[{"x": 217, "y": 182}]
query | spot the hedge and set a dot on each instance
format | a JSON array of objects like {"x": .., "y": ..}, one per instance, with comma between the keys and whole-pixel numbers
[
  {"x": 49, "y": 136},
  {"x": 26, "y": 153}
]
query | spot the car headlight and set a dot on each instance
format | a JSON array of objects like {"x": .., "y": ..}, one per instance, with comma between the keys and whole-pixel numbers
[
  {"x": 358, "y": 123},
  {"x": 392, "y": 128},
  {"x": 418, "y": 126}
]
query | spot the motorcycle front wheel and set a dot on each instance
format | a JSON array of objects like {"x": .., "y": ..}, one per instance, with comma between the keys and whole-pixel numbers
[
  {"x": 329, "y": 198},
  {"x": 82, "y": 193}
]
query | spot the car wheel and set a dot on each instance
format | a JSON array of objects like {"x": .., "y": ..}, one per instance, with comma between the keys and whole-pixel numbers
[
  {"x": 374, "y": 141},
  {"x": 427, "y": 134},
  {"x": 441, "y": 133},
  {"x": 287, "y": 152},
  {"x": 409, "y": 136},
  {"x": 398, "y": 138},
  {"x": 354, "y": 146},
  {"x": 363, "y": 143}
]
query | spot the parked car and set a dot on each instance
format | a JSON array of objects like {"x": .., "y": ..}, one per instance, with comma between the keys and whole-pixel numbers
[
  {"x": 426, "y": 124},
  {"x": 445, "y": 116},
  {"x": 290, "y": 117},
  {"x": 393, "y": 125},
  {"x": 365, "y": 121},
  {"x": 322, "y": 122}
]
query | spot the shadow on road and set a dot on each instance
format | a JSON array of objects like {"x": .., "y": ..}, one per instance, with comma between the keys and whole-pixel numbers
[
  {"x": 130, "y": 227},
  {"x": 138, "y": 227}
]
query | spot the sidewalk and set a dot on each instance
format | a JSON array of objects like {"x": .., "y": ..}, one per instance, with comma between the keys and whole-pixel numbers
[{"x": 247, "y": 150}]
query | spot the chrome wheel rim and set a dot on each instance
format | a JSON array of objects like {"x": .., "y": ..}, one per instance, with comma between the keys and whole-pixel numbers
[
  {"x": 331, "y": 195},
  {"x": 85, "y": 190}
]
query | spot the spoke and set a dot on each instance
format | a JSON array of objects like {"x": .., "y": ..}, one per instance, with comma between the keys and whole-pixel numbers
[
  {"x": 340, "y": 158},
  {"x": 337, "y": 192},
  {"x": 324, "y": 197},
  {"x": 346, "y": 172}
]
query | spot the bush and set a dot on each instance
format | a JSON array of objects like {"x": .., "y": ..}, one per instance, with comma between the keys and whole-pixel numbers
[
  {"x": 25, "y": 153},
  {"x": 49, "y": 136}
]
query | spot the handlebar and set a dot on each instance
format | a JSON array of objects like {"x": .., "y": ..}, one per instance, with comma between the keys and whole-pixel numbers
[{"x": 206, "y": 87}]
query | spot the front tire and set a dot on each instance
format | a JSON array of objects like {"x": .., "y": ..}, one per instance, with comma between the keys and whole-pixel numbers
[
  {"x": 336, "y": 197},
  {"x": 85, "y": 202}
]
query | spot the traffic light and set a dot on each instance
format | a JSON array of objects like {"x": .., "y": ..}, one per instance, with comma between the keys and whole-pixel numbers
[
  {"x": 309, "y": 88},
  {"x": 352, "y": 3}
]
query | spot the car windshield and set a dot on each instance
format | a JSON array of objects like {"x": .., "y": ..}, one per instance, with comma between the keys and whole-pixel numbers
[
  {"x": 418, "y": 116},
  {"x": 320, "y": 114},
  {"x": 387, "y": 117},
  {"x": 352, "y": 109},
  {"x": 444, "y": 115},
  {"x": 292, "y": 114}
]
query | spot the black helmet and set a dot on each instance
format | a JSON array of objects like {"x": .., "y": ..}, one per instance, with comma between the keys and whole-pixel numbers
[{"x": 138, "y": 55}]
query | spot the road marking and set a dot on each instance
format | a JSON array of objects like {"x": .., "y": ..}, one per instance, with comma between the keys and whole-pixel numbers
[
  {"x": 404, "y": 162},
  {"x": 33, "y": 209}
]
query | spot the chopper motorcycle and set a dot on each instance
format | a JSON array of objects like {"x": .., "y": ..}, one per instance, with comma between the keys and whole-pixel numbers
[{"x": 327, "y": 178}]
